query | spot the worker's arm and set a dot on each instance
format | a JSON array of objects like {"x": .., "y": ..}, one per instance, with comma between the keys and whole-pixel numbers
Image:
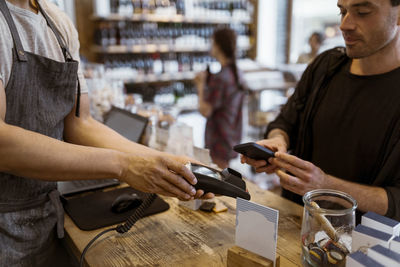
[
  {"x": 147, "y": 167},
  {"x": 29, "y": 154},
  {"x": 86, "y": 131}
]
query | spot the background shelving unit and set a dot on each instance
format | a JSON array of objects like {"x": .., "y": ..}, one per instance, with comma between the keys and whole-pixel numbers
[
  {"x": 96, "y": 50},
  {"x": 157, "y": 55},
  {"x": 155, "y": 48},
  {"x": 170, "y": 19}
]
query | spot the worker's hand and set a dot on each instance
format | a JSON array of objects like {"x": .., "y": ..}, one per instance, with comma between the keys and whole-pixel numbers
[
  {"x": 276, "y": 144},
  {"x": 184, "y": 160},
  {"x": 163, "y": 174},
  {"x": 304, "y": 176}
]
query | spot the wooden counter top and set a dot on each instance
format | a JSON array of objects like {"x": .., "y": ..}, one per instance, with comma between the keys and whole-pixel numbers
[{"x": 182, "y": 237}]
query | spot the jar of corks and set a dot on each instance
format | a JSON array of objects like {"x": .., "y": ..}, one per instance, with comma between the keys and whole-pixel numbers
[{"x": 328, "y": 221}]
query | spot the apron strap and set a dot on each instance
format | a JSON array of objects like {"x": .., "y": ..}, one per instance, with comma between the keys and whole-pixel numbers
[
  {"x": 14, "y": 32},
  {"x": 78, "y": 100},
  {"x": 66, "y": 53},
  {"x": 55, "y": 200}
]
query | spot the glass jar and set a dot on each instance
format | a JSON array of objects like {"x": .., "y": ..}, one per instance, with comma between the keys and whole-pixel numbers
[{"x": 328, "y": 221}]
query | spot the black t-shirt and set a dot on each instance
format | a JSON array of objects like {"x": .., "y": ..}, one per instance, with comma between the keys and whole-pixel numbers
[
  {"x": 352, "y": 123},
  {"x": 347, "y": 125}
]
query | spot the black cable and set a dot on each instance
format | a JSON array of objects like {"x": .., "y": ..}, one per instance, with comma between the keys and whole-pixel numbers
[
  {"x": 91, "y": 242},
  {"x": 139, "y": 212},
  {"x": 123, "y": 228}
]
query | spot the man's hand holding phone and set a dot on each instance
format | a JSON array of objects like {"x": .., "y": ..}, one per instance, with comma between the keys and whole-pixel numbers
[{"x": 277, "y": 143}]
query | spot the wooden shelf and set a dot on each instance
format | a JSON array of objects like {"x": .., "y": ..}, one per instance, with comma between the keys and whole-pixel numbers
[
  {"x": 166, "y": 77},
  {"x": 154, "y": 48},
  {"x": 170, "y": 19},
  {"x": 249, "y": 75}
]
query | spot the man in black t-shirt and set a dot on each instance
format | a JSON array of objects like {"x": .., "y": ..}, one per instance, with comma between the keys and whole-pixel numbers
[{"x": 343, "y": 122}]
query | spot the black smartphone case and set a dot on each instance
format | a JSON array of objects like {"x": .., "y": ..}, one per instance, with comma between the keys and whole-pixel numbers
[{"x": 254, "y": 151}]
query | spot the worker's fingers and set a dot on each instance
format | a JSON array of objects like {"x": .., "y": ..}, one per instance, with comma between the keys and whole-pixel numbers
[
  {"x": 164, "y": 185},
  {"x": 181, "y": 169},
  {"x": 199, "y": 194},
  {"x": 208, "y": 196}
]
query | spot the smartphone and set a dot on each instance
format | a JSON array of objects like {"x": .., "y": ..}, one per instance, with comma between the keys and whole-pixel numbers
[{"x": 254, "y": 151}]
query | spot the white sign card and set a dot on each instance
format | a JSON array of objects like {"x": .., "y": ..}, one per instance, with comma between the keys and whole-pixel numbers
[{"x": 256, "y": 228}]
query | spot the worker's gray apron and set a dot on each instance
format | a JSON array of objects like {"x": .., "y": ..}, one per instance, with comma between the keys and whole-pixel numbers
[{"x": 40, "y": 94}]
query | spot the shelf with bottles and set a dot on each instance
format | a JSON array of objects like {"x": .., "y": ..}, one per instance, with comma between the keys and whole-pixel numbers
[
  {"x": 161, "y": 78},
  {"x": 157, "y": 67},
  {"x": 155, "y": 48},
  {"x": 161, "y": 41},
  {"x": 184, "y": 11},
  {"x": 133, "y": 37},
  {"x": 169, "y": 19}
]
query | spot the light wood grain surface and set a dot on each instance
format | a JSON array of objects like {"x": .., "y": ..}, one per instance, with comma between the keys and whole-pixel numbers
[{"x": 182, "y": 237}]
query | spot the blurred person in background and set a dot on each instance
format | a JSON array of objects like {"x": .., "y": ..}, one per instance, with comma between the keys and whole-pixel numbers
[
  {"x": 315, "y": 41},
  {"x": 221, "y": 99}
]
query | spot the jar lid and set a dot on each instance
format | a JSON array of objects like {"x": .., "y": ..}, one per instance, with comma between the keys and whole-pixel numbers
[{"x": 320, "y": 194}]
